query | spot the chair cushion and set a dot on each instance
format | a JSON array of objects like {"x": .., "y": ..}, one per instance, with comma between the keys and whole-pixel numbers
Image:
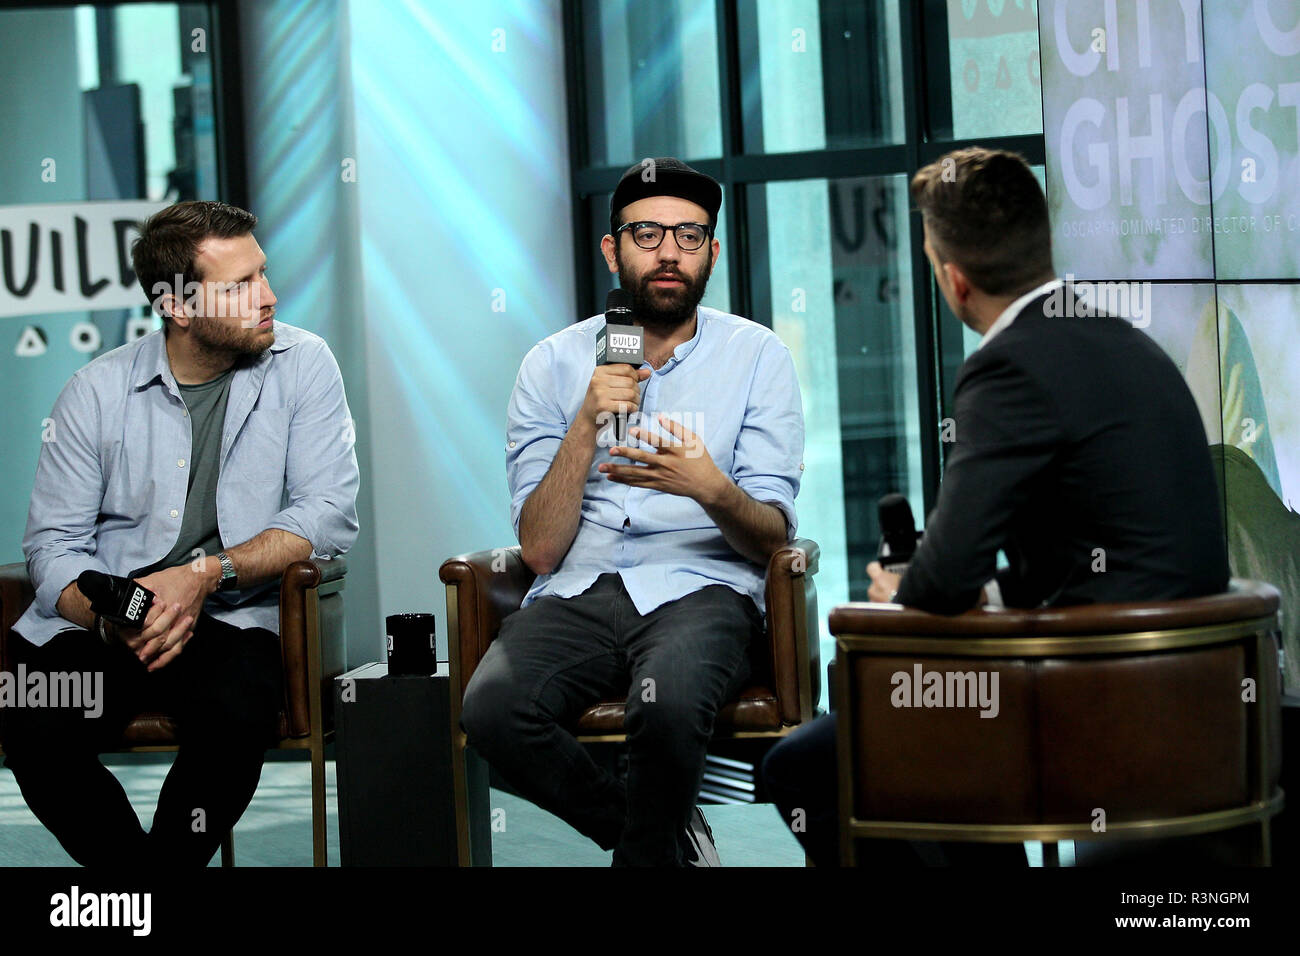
[
  {"x": 154, "y": 729},
  {"x": 754, "y": 709},
  {"x": 150, "y": 730}
]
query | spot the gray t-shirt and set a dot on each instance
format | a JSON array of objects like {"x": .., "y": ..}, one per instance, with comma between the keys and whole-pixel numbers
[{"x": 207, "y": 408}]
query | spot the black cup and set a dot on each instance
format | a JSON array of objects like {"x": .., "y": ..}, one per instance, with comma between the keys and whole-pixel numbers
[{"x": 412, "y": 644}]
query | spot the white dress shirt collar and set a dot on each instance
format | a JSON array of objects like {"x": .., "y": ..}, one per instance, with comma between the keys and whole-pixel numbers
[{"x": 1010, "y": 312}]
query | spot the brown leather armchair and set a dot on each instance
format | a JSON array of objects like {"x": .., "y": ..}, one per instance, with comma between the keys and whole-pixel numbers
[
  {"x": 312, "y": 652},
  {"x": 484, "y": 587},
  {"x": 1113, "y": 721}
]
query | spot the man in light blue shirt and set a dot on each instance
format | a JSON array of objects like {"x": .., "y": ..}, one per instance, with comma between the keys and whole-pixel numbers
[
  {"x": 650, "y": 552},
  {"x": 200, "y": 460}
]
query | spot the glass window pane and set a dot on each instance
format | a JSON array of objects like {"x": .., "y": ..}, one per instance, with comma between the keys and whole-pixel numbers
[
  {"x": 101, "y": 105},
  {"x": 651, "y": 80},
  {"x": 820, "y": 74},
  {"x": 833, "y": 271},
  {"x": 993, "y": 69}
]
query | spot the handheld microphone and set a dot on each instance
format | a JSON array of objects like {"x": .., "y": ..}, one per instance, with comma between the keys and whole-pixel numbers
[
  {"x": 620, "y": 342},
  {"x": 116, "y": 599},
  {"x": 898, "y": 535}
]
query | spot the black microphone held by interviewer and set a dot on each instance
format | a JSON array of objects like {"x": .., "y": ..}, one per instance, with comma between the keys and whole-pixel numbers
[
  {"x": 619, "y": 342},
  {"x": 898, "y": 534},
  {"x": 116, "y": 599}
]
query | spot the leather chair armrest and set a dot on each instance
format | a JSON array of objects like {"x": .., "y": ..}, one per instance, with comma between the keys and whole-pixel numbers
[
  {"x": 16, "y": 594},
  {"x": 331, "y": 569},
  {"x": 1243, "y": 600},
  {"x": 488, "y": 586},
  {"x": 299, "y": 618},
  {"x": 792, "y": 629}
]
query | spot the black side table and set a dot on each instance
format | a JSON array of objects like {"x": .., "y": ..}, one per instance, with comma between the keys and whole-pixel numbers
[{"x": 397, "y": 803}]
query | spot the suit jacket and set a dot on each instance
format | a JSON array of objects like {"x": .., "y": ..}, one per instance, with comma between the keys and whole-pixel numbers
[{"x": 1079, "y": 451}]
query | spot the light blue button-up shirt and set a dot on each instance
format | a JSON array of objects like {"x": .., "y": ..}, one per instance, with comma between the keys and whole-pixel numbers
[
  {"x": 734, "y": 385},
  {"x": 113, "y": 473}
]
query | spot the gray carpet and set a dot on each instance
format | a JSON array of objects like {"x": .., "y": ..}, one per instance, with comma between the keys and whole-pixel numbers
[{"x": 276, "y": 830}]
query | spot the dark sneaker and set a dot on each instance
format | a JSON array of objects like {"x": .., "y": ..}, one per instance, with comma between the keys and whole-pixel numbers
[{"x": 701, "y": 850}]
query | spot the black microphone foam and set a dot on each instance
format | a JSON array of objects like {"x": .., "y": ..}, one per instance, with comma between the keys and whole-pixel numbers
[
  {"x": 116, "y": 599},
  {"x": 618, "y": 306}
]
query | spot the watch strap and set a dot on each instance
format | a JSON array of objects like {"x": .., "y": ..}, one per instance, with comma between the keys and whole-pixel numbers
[{"x": 228, "y": 574}]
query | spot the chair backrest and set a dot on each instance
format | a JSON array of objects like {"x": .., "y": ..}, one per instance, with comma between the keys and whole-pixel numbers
[
  {"x": 485, "y": 587},
  {"x": 1061, "y": 717}
]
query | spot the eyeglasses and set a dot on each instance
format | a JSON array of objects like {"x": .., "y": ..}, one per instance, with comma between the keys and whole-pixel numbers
[{"x": 689, "y": 236}]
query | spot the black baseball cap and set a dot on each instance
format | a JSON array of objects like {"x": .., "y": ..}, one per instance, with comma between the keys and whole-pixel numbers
[{"x": 665, "y": 176}]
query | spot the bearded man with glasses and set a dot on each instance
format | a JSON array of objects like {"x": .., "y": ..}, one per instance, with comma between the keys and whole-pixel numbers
[{"x": 650, "y": 553}]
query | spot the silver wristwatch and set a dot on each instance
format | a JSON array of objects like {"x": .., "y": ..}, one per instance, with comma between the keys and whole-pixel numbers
[{"x": 228, "y": 576}]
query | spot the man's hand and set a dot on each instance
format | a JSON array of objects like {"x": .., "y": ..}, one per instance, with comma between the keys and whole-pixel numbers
[
  {"x": 187, "y": 585},
  {"x": 884, "y": 584},
  {"x": 183, "y": 589},
  {"x": 613, "y": 390},
  {"x": 165, "y": 633},
  {"x": 677, "y": 466}
]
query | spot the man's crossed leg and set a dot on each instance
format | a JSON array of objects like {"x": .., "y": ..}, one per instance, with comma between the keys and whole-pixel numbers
[{"x": 558, "y": 656}]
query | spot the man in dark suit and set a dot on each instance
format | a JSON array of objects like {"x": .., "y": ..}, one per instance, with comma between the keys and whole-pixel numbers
[{"x": 1077, "y": 449}]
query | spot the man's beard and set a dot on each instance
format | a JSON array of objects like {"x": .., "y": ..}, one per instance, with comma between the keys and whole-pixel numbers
[
  {"x": 663, "y": 310},
  {"x": 221, "y": 338}
]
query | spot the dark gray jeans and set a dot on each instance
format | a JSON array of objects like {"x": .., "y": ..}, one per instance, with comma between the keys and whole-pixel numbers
[{"x": 554, "y": 658}]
